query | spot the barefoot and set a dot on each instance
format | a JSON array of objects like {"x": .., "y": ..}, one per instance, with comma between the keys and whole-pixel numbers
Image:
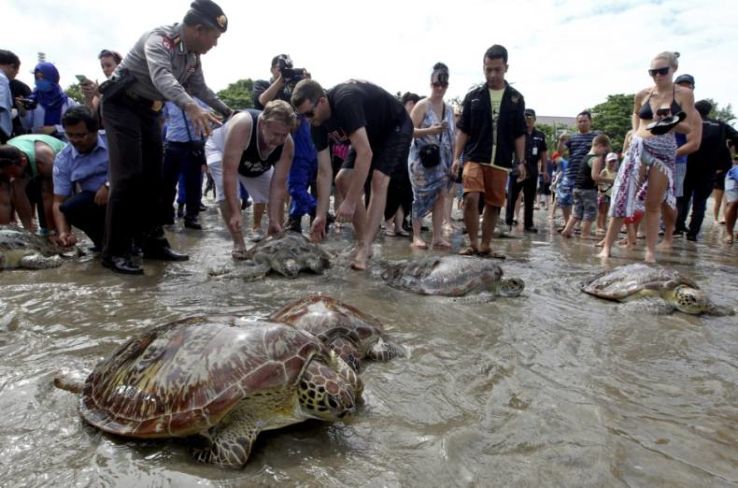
[
  {"x": 650, "y": 258},
  {"x": 361, "y": 259},
  {"x": 441, "y": 244},
  {"x": 605, "y": 253},
  {"x": 664, "y": 245},
  {"x": 566, "y": 234},
  {"x": 418, "y": 243},
  {"x": 728, "y": 239}
]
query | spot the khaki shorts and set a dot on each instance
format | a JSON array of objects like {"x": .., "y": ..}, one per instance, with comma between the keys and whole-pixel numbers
[{"x": 482, "y": 178}]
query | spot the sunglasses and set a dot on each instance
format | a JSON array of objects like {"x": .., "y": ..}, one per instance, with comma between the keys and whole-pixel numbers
[
  {"x": 440, "y": 84},
  {"x": 659, "y": 71}
]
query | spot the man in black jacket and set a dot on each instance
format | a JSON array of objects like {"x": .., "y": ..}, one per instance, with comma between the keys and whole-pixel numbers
[{"x": 491, "y": 138}]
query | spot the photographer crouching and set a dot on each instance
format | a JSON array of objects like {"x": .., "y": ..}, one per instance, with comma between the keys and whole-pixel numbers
[
  {"x": 305, "y": 163},
  {"x": 163, "y": 65}
]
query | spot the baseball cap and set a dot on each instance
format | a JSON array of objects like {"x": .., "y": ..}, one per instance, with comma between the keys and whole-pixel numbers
[
  {"x": 685, "y": 78},
  {"x": 611, "y": 157},
  {"x": 209, "y": 13},
  {"x": 530, "y": 112}
]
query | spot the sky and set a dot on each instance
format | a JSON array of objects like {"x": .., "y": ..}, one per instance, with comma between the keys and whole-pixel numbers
[{"x": 564, "y": 55}]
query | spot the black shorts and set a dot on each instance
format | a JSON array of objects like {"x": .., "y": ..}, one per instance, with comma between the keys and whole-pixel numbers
[
  {"x": 393, "y": 151},
  {"x": 719, "y": 181}
]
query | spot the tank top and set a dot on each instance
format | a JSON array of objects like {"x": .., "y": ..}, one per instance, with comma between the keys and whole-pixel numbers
[{"x": 252, "y": 164}]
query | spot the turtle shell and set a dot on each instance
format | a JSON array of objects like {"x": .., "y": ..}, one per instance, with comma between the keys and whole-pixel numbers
[
  {"x": 325, "y": 317},
  {"x": 289, "y": 253},
  {"x": 625, "y": 281},
  {"x": 184, "y": 377},
  {"x": 447, "y": 275}
]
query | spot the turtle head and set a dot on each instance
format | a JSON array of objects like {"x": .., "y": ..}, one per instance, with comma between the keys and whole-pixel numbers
[
  {"x": 510, "y": 287},
  {"x": 329, "y": 391},
  {"x": 690, "y": 300}
]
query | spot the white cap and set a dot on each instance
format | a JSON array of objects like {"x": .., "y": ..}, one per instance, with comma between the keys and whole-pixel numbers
[{"x": 611, "y": 157}]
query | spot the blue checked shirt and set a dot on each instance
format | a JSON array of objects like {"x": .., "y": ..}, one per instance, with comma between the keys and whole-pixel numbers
[{"x": 75, "y": 172}]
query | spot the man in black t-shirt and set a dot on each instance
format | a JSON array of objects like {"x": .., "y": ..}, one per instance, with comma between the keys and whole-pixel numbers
[{"x": 380, "y": 132}]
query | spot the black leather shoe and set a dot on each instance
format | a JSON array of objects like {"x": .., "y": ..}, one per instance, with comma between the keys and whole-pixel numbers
[
  {"x": 532, "y": 230},
  {"x": 692, "y": 237},
  {"x": 203, "y": 207},
  {"x": 165, "y": 253},
  {"x": 122, "y": 265},
  {"x": 192, "y": 224}
]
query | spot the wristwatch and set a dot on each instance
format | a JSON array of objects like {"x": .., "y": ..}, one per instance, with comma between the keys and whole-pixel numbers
[{"x": 107, "y": 185}]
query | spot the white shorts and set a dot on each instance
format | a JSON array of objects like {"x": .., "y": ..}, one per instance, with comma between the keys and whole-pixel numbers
[{"x": 258, "y": 186}]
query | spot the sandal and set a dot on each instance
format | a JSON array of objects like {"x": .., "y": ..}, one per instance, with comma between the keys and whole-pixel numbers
[
  {"x": 489, "y": 253},
  {"x": 468, "y": 251}
]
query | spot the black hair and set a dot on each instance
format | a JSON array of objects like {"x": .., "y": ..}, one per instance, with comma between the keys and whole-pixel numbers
[
  {"x": 20, "y": 89},
  {"x": 113, "y": 54},
  {"x": 9, "y": 57},
  {"x": 409, "y": 97},
  {"x": 9, "y": 155},
  {"x": 586, "y": 113},
  {"x": 703, "y": 107},
  {"x": 496, "y": 52},
  {"x": 440, "y": 67},
  {"x": 78, "y": 114}
]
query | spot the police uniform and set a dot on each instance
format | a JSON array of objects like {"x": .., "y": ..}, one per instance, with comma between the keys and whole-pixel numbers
[{"x": 158, "y": 68}]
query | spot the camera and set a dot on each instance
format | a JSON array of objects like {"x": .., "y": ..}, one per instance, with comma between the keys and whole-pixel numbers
[
  {"x": 289, "y": 74},
  {"x": 28, "y": 103}
]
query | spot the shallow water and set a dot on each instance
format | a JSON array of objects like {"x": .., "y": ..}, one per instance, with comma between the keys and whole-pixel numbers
[{"x": 554, "y": 388}]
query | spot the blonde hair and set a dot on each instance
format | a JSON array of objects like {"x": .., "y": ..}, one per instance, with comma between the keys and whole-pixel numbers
[
  {"x": 280, "y": 111},
  {"x": 671, "y": 57}
]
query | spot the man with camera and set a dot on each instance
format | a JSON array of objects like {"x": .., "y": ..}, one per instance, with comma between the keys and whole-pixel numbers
[
  {"x": 380, "y": 132},
  {"x": 163, "y": 65},
  {"x": 305, "y": 164}
]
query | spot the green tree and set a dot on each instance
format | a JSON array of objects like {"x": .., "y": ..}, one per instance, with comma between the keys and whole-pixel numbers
[
  {"x": 721, "y": 113},
  {"x": 613, "y": 118},
  {"x": 238, "y": 95},
  {"x": 75, "y": 92}
]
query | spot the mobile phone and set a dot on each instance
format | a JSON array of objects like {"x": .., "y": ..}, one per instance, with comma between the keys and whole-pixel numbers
[{"x": 82, "y": 78}]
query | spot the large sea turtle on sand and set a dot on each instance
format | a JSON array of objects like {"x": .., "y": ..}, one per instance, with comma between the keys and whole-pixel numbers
[
  {"x": 353, "y": 334},
  {"x": 452, "y": 276},
  {"x": 287, "y": 253},
  {"x": 223, "y": 382},
  {"x": 20, "y": 248},
  {"x": 640, "y": 282}
]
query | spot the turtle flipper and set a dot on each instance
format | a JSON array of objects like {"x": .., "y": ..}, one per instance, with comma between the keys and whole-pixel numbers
[
  {"x": 253, "y": 270},
  {"x": 718, "y": 310},
  {"x": 37, "y": 261},
  {"x": 384, "y": 351},
  {"x": 230, "y": 445}
]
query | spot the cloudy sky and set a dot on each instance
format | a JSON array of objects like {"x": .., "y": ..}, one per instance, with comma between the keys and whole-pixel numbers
[{"x": 565, "y": 55}]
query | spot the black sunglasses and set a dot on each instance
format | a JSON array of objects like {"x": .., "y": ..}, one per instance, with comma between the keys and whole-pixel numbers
[
  {"x": 659, "y": 71},
  {"x": 440, "y": 84}
]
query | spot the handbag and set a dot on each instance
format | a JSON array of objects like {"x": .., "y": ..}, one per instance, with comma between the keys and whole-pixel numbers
[{"x": 430, "y": 154}]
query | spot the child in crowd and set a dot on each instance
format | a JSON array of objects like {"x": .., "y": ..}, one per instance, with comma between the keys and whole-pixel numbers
[
  {"x": 585, "y": 188},
  {"x": 607, "y": 178},
  {"x": 731, "y": 199},
  {"x": 559, "y": 164}
]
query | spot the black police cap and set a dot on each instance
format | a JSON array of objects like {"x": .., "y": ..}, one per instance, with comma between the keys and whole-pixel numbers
[{"x": 209, "y": 13}]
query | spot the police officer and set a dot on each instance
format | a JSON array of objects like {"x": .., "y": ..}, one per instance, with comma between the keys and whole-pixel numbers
[{"x": 163, "y": 65}]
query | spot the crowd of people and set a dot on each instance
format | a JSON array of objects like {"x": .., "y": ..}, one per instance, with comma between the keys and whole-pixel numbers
[{"x": 113, "y": 165}]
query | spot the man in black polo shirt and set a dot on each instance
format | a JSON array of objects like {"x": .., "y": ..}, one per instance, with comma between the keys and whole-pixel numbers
[
  {"x": 380, "y": 132},
  {"x": 536, "y": 155},
  {"x": 491, "y": 137}
]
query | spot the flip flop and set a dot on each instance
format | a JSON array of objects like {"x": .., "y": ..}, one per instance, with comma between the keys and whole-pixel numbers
[
  {"x": 663, "y": 126},
  {"x": 489, "y": 253},
  {"x": 468, "y": 251}
]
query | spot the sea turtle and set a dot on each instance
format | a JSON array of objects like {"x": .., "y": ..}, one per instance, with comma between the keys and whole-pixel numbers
[
  {"x": 352, "y": 334},
  {"x": 453, "y": 276},
  {"x": 219, "y": 380},
  {"x": 20, "y": 248},
  {"x": 640, "y": 281},
  {"x": 286, "y": 253}
]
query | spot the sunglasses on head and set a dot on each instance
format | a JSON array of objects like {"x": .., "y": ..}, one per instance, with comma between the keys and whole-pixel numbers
[{"x": 659, "y": 71}]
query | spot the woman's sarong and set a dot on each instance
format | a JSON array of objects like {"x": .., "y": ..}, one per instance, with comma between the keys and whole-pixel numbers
[{"x": 631, "y": 184}]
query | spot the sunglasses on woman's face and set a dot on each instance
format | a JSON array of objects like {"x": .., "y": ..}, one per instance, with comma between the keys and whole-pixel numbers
[
  {"x": 659, "y": 71},
  {"x": 439, "y": 84}
]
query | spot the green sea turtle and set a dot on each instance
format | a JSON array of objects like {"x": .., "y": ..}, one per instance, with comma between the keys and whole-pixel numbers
[
  {"x": 20, "y": 248},
  {"x": 222, "y": 382},
  {"x": 644, "y": 282},
  {"x": 287, "y": 253},
  {"x": 452, "y": 276},
  {"x": 353, "y": 334}
]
